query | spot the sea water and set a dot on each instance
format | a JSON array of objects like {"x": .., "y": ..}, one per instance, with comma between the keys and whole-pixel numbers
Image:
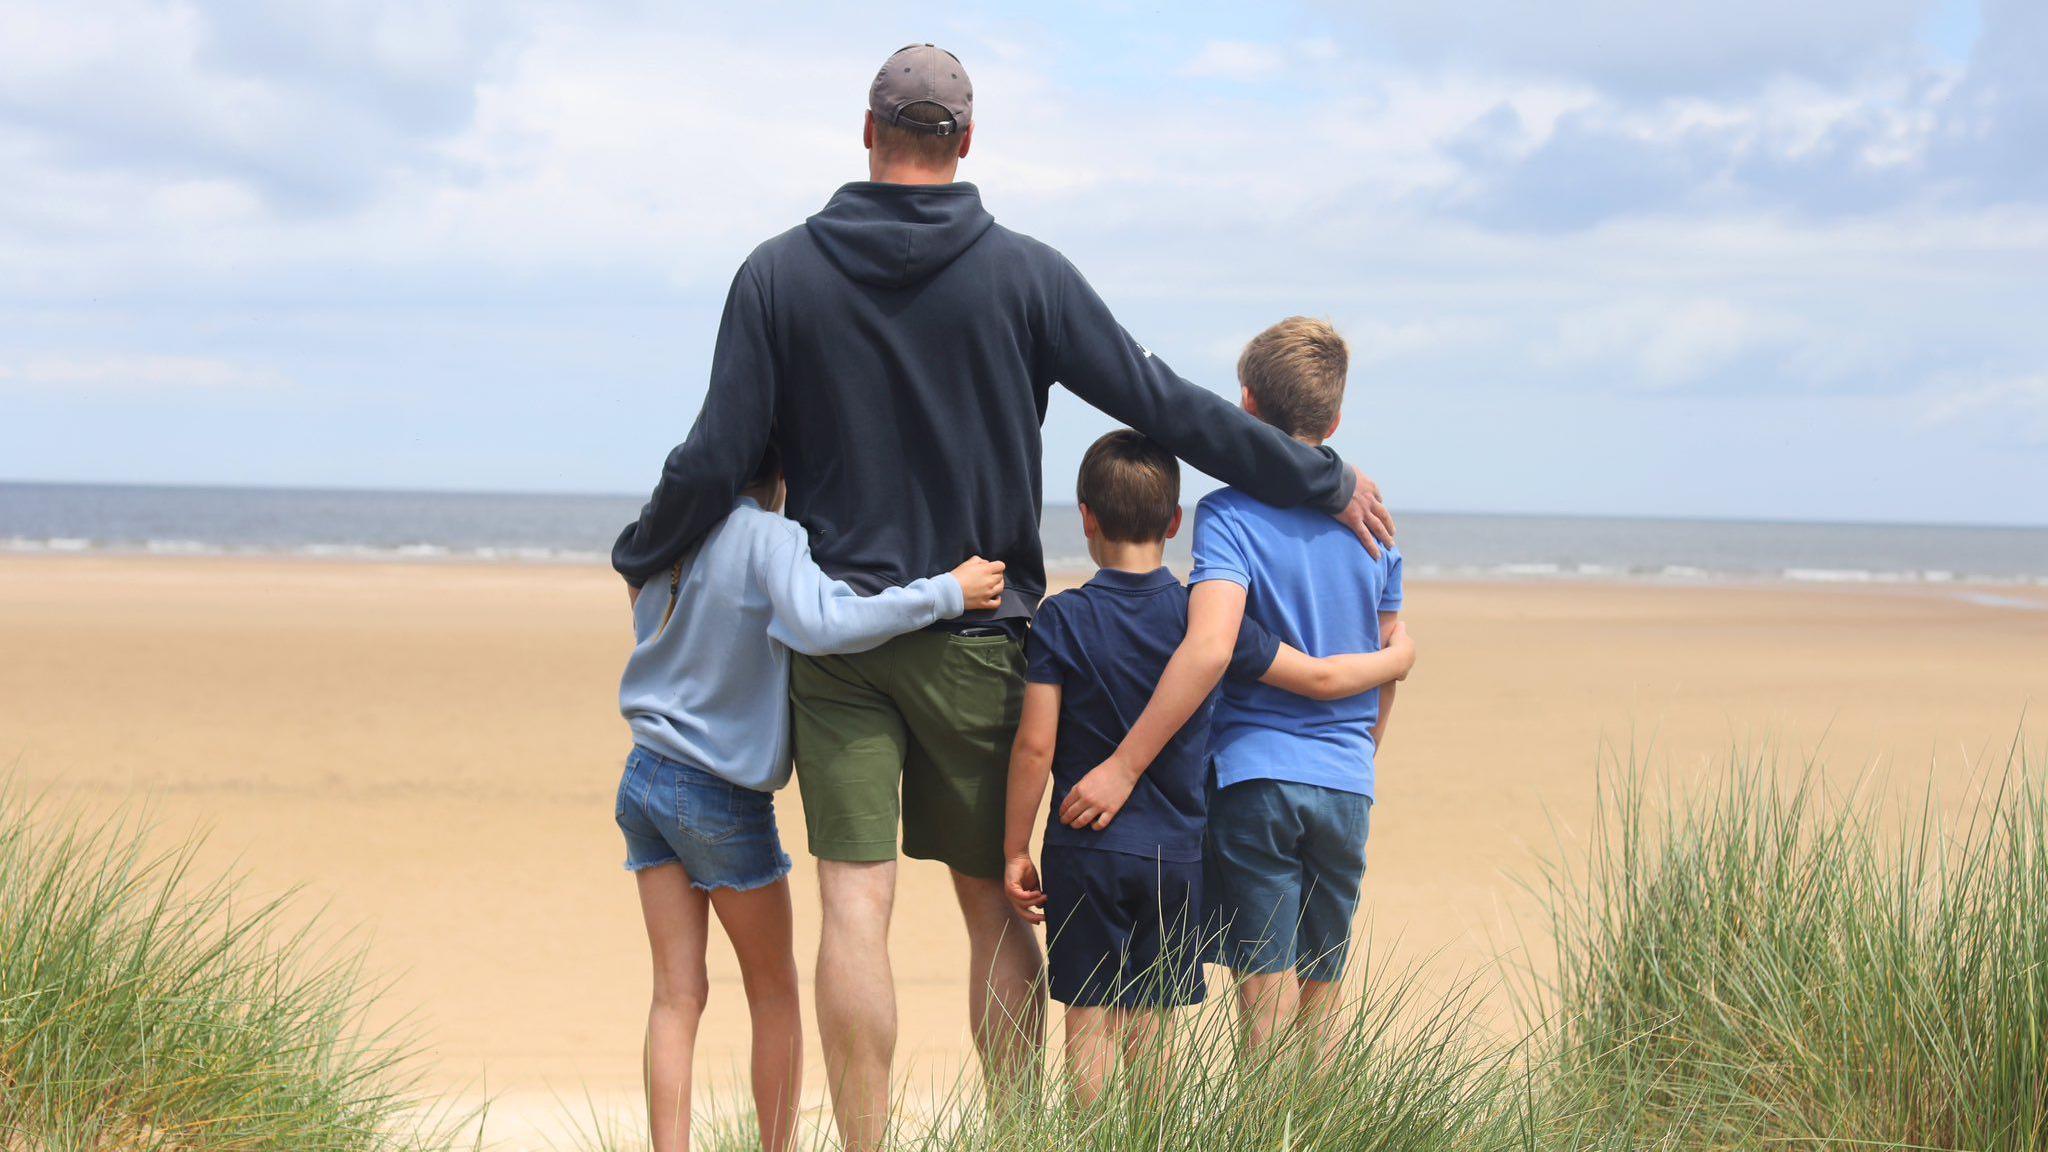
[{"x": 579, "y": 529}]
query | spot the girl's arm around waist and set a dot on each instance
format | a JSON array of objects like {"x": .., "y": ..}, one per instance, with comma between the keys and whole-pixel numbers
[{"x": 820, "y": 616}]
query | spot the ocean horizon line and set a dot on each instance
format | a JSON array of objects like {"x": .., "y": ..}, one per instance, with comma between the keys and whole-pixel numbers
[{"x": 347, "y": 490}]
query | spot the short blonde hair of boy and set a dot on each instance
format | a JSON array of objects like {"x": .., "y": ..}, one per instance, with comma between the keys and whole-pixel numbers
[{"x": 1295, "y": 372}]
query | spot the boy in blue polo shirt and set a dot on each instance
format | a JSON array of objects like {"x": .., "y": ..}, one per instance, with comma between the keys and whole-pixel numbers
[
  {"x": 1294, "y": 777},
  {"x": 1122, "y": 888}
]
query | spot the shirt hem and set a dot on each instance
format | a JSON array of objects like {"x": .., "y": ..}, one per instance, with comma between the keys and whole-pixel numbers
[
  {"x": 772, "y": 784},
  {"x": 1335, "y": 781},
  {"x": 1137, "y": 848}
]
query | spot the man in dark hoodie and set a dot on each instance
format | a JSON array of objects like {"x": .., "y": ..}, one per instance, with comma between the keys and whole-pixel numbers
[{"x": 898, "y": 349}]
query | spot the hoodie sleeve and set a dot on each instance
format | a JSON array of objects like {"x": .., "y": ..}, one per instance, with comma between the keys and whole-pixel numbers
[
  {"x": 1099, "y": 362},
  {"x": 706, "y": 471},
  {"x": 820, "y": 616}
]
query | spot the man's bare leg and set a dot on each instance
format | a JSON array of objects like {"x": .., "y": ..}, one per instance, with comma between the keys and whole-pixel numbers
[
  {"x": 857, "y": 996},
  {"x": 1006, "y": 997}
]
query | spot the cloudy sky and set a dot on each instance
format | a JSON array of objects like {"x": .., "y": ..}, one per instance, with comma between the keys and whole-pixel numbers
[{"x": 1704, "y": 257}]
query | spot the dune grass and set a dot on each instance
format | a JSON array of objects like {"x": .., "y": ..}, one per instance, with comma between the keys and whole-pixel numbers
[
  {"x": 1758, "y": 962},
  {"x": 1772, "y": 962},
  {"x": 1411, "y": 1072},
  {"x": 143, "y": 1007}
]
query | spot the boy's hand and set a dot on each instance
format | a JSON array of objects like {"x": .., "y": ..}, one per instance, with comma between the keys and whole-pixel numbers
[
  {"x": 1402, "y": 645},
  {"x": 632, "y": 596},
  {"x": 1096, "y": 798},
  {"x": 1022, "y": 885},
  {"x": 981, "y": 583}
]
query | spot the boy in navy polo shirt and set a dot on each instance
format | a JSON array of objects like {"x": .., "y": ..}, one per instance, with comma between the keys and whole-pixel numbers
[
  {"x": 1122, "y": 888},
  {"x": 1294, "y": 777}
]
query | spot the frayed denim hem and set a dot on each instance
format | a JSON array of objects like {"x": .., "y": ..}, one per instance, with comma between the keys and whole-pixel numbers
[
  {"x": 750, "y": 886},
  {"x": 782, "y": 871}
]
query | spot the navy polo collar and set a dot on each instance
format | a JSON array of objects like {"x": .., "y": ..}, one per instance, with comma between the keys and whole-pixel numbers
[{"x": 1120, "y": 581}]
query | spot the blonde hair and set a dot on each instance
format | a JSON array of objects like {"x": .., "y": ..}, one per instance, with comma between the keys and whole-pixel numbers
[{"x": 1295, "y": 372}]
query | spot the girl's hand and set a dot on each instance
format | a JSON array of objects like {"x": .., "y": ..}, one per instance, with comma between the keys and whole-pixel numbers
[{"x": 981, "y": 583}]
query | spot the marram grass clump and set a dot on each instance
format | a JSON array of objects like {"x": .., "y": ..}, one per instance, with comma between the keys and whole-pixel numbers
[
  {"x": 1772, "y": 963},
  {"x": 142, "y": 1007}
]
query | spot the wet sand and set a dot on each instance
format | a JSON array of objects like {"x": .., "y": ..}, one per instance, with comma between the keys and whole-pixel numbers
[{"x": 430, "y": 751}]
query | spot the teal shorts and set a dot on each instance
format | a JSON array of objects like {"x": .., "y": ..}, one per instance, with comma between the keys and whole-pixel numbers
[{"x": 1285, "y": 862}]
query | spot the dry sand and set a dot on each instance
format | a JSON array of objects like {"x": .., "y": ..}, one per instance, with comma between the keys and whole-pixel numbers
[{"x": 431, "y": 751}]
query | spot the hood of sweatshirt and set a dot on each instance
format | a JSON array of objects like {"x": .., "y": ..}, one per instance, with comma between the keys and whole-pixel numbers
[{"x": 897, "y": 235}]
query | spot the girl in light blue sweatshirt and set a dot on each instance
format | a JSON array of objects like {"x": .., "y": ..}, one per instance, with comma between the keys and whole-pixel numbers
[{"x": 706, "y": 692}]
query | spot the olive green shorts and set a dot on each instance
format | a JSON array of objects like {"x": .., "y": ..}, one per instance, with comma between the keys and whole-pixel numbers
[{"x": 917, "y": 729}]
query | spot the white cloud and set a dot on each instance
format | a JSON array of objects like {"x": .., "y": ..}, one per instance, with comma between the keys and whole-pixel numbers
[
  {"x": 1666, "y": 344},
  {"x": 2014, "y": 406},
  {"x": 309, "y": 106},
  {"x": 1235, "y": 60},
  {"x": 1629, "y": 46},
  {"x": 98, "y": 374}
]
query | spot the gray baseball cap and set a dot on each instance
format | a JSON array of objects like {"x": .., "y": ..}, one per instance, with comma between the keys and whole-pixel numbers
[{"x": 923, "y": 74}]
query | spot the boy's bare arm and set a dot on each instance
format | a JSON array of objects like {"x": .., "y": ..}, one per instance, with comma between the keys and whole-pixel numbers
[
  {"x": 1215, "y": 611},
  {"x": 1389, "y": 623},
  {"x": 1336, "y": 677},
  {"x": 1030, "y": 766}
]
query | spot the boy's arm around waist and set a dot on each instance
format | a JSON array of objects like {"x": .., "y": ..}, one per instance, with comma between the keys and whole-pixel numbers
[
  {"x": 1215, "y": 611},
  {"x": 1390, "y": 623},
  {"x": 1343, "y": 676}
]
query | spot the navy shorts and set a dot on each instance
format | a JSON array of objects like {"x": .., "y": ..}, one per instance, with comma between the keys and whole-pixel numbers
[
  {"x": 721, "y": 833},
  {"x": 1285, "y": 861},
  {"x": 1122, "y": 931}
]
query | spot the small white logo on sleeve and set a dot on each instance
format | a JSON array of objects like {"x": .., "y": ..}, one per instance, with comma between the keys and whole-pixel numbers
[{"x": 1142, "y": 348}]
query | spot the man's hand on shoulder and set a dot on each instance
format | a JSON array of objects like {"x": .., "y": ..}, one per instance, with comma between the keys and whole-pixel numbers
[{"x": 1367, "y": 514}]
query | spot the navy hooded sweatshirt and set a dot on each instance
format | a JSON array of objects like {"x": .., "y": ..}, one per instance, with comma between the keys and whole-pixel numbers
[{"x": 899, "y": 348}]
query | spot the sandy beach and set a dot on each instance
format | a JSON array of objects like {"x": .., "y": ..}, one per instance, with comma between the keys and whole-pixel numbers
[{"x": 430, "y": 752}]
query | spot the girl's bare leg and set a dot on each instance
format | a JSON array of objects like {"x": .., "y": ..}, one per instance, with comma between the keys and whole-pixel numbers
[
  {"x": 758, "y": 922},
  {"x": 678, "y": 918}
]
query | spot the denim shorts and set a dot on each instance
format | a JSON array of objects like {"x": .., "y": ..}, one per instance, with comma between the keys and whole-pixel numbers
[
  {"x": 1285, "y": 861},
  {"x": 722, "y": 834},
  {"x": 1121, "y": 930}
]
